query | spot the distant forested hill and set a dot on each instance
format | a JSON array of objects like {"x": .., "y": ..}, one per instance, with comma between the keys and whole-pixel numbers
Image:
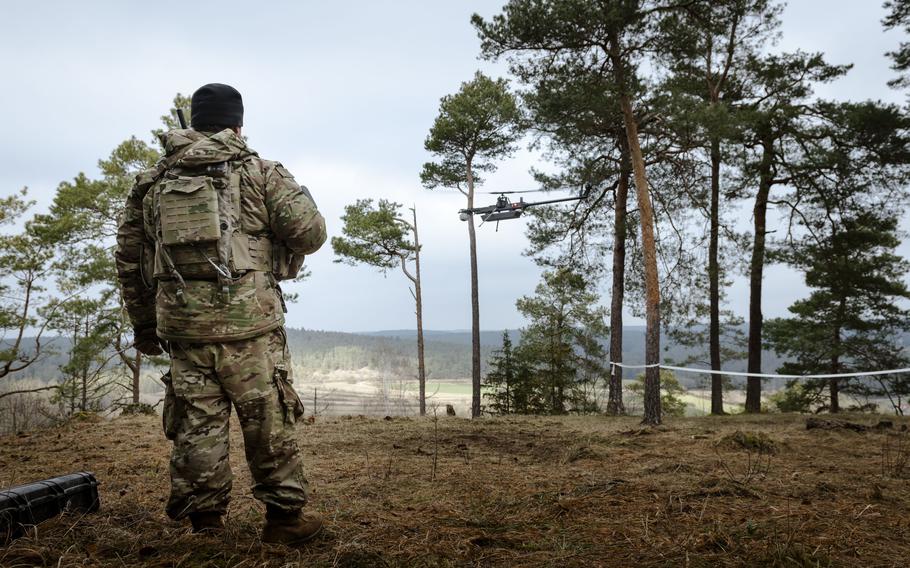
[
  {"x": 633, "y": 344},
  {"x": 393, "y": 352},
  {"x": 448, "y": 352}
]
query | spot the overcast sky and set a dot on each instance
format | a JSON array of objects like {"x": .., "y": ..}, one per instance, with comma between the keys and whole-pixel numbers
[{"x": 343, "y": 93}]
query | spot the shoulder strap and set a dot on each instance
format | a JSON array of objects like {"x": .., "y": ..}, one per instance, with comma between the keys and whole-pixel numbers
[{"x": 166, "y": 163}]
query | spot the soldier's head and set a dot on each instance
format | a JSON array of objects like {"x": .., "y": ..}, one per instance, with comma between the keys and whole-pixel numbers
[{"x": 215, "y": 107}]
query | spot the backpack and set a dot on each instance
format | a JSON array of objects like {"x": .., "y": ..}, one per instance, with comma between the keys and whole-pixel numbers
[{"x": 195, "y": 212}]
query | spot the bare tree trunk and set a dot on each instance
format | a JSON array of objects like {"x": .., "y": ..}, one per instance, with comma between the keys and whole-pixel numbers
[
  {"x": 133, "y": 363},
  {"x": 834, "y": 387},
  {"x": 557, "y": 366},
  {"x": 418, "y": 299},
  {"x": 509, "y": 380},
  {"x": 614, "y": 403},
  {"x": 756, "y": 273},
  {"x": 652, "y": 408},
  {"x": 475, "y": 304},
  {"x": 834, "y": 384},
  {"x": 80, "y": 375},
  {"x": 717, "y": 381},
  {"x": 22, "y": 322},
  {"x": 136, "y": 368},
  {"x": 84, "y": 404}
]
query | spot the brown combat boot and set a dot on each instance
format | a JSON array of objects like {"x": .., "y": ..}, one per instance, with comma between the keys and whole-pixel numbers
[
  {"x": 289, "y": 527},
  {"x": 206, "y": 522}
]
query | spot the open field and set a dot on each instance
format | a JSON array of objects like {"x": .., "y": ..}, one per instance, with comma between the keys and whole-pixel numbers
[
  {"x": 371, "y": 392},
  {"x": 698, "y": 401},
  {"x": 568, "y": 491}
]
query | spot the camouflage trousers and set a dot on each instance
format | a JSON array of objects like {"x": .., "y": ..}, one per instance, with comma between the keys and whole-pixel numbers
[{"x": 205, "y": 380}]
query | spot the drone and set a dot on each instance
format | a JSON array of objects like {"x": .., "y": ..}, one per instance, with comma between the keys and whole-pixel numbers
[{"x": 506, "y": 209}]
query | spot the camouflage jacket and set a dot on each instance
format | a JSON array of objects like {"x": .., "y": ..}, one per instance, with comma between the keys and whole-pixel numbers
[{"x": 273, "y": 208}]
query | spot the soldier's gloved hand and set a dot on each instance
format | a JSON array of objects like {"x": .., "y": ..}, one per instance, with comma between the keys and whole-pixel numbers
[{"x": 146, "y": 341}]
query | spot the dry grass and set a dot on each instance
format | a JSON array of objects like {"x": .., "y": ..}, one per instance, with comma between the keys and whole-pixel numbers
[{"x": 574, "y": 491}]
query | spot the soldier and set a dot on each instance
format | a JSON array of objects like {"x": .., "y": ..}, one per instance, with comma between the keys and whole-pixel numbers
[{"x": 205, "y": 238}]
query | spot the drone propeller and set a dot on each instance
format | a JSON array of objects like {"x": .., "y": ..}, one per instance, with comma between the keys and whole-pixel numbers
[
  {"x": 527, "y": 190},
  {"x": 511, "y": 192}
]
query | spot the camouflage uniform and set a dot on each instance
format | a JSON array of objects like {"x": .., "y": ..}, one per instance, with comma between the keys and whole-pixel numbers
[{"x": 226, "y": 337}]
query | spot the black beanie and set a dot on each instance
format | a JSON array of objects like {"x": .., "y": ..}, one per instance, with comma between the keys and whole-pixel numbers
[{"x": 217, "y": 105}]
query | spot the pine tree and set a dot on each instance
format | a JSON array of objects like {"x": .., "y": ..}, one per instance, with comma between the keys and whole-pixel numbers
[
  {"x": 775, "y": 124},
  {"x": 562, "y": 344},
  {"x": 899, "y": 17},
  {"x": 377, "y": 236},
  {"x": 509, "y": 382},
  {"x": 849, "y": 188},
  {"x": 82, "y": 221},
  {"x": 25, "y": 302},
  {"x": 852, "y": 317},
  {"x": 707, "y": 48},
  {"x": 602, "y": 46},
  {"x": 475, "y": 127}
]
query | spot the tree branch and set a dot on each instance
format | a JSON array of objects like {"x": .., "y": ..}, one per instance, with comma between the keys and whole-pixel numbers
[
  {"x": 27, "y": 391},
  {"x": 404, "y": 268}
]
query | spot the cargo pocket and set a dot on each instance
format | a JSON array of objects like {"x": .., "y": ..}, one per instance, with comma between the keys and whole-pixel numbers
[
  {"x": 171, "y": 410},
  {"x": 291, "y": 405}
]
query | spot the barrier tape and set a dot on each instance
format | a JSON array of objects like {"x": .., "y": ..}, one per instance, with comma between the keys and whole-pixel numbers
[
  {"x": 634, "y": 366},
  {"x": 763, "y": 375}
]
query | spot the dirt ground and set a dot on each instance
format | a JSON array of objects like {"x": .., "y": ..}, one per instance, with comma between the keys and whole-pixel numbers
[{"x": 572, "y": 491}]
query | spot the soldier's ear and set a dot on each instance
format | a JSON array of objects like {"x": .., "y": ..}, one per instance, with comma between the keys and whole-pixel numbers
[{"x": 237, "y": 129}]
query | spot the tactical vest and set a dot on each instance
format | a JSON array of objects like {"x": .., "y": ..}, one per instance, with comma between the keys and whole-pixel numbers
[{"x": 196, "y": 215}]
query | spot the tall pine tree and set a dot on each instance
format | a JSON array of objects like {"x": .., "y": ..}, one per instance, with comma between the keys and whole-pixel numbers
[
  {"x": 707, "y": 47},
  {"x": 475, "y": 127},
  {"x": 602, "y": 44}
]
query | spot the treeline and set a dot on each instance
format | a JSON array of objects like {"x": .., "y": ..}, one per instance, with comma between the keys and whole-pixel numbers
[
  {"x": 677, "y": 117},
  {"x": 448, "y": 354}
]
